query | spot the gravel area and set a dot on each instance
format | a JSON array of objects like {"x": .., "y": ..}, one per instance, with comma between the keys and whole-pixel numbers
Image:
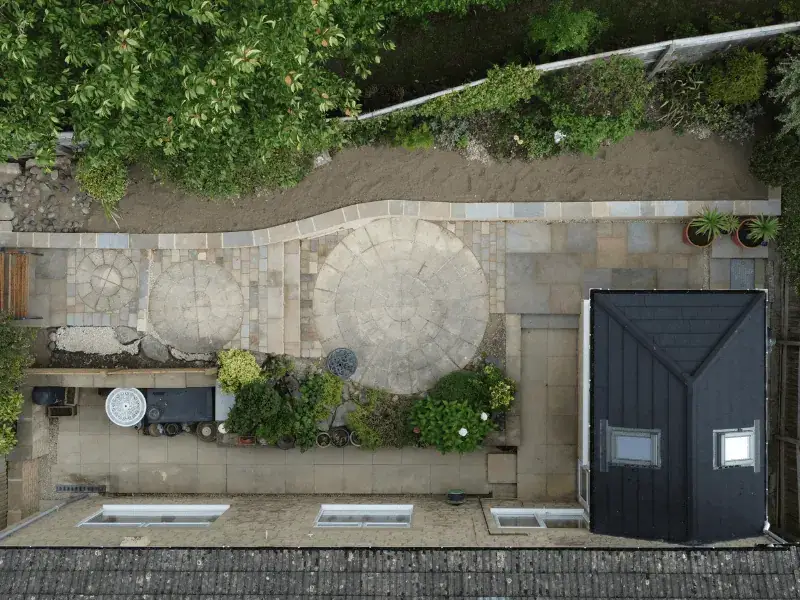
[{"x": 93, "y": 340}]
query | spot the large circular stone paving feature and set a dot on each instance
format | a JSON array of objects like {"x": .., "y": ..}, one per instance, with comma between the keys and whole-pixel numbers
[
  {"x": 106, "y": 280},
  {"x": 196, "y": 306},
  {"x": 407, "y": 297}
]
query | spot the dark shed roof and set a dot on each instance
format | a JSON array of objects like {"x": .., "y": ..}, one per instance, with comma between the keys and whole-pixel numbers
[
  {"x": 292, "y": 574},
  {"x": 685, "y": 364}
]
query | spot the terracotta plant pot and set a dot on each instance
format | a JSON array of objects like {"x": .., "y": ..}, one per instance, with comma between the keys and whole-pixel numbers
[
  {"x": 340, "y": 437},
  {"x": 740, "y": 236},
  {"x": 692, "y": 238},
  {"x": 323, "y": 439}
]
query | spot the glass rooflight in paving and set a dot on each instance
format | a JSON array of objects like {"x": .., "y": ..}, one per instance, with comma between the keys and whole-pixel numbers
[{"x": 407, "y": 297}]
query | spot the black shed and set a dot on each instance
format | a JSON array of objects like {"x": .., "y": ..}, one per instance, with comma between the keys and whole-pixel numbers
[{"x": 678, "y": 413}]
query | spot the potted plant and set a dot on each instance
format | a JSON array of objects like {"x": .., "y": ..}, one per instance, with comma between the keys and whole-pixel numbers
[
  {"x": 323, "y": 439},
  {"x": 286, "y": 442},
  {"x": 456, "y": 497},
  {"x": 707, "y": 226},
  {"x": 340, "y": 437},
  {"x": 757, "y": 231},
  {"x": 354, "y": 439}
]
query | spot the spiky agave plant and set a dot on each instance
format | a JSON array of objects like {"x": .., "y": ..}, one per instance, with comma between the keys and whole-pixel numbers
[{"x": 763, "y": 229}]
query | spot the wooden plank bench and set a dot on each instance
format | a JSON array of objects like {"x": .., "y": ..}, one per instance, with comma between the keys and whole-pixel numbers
[{"x": 15, "y": 286}]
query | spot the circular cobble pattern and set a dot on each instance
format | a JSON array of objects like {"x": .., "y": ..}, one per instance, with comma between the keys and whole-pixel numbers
[
  {"x": 407, "y": 297},
  {"x": 106, "y": 280},
  {"x": 196, "y": 306}
]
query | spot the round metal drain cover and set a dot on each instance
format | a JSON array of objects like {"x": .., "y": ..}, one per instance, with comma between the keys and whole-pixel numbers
[
  {"x": 125, "y": 406},
  {"x": 342, "y": 362}
]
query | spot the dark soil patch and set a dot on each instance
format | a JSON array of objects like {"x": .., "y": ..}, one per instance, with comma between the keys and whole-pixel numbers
[
  {"x": 80, "y": 360},
  {"x": 444, "y": 50},
  {"x": 656, "y": 165}
]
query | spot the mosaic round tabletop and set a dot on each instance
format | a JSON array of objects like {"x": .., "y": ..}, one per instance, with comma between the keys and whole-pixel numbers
[
  {"x": 407, "y": 297},
  {"x": 196, "y": 306},
  {"x": 106, "y": 280}
]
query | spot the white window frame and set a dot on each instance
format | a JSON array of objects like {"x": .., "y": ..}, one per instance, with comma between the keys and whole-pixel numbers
[
  {"x": 542, "y": 515},
  {"x": 654, "y": 435},
  {"x": 720, "y": 435},
  {"x": 206, "y": 514},
  {"x": 371, "y": 510}
]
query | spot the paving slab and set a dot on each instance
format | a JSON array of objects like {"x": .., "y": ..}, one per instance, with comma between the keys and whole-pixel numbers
[
  {"x": 633, "y": 279},
  {"x": 743, "y": 273},
  {"x": 642, "y": 237},
  {"x": 581, "y": 237},
  {"x": 528, "y": 237}
]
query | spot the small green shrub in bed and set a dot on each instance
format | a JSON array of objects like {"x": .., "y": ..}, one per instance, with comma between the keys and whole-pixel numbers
[
  {"x": 236, "y": 369},
  {"x": 450, "y": 425},
  {"x": 383, "y": 420}
]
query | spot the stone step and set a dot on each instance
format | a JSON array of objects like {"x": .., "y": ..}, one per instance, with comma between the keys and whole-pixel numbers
[
  {"x": 275, "y": 287},
  {"x": 291, "y": 298}
]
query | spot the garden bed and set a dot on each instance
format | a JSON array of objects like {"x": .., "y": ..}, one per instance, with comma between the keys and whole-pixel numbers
[
  {"x": 658, "y": 165},
  {"x": 444, "y": 50}
]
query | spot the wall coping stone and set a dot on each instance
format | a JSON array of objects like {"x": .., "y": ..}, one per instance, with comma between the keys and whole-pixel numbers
[{"x": 359, "y": 214}]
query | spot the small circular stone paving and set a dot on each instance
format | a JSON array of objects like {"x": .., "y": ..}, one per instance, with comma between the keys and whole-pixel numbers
[
  {"x": 106, "y": 280},
  {"x": 407, "y": 297},
  {"x": 196, "y": 306}
]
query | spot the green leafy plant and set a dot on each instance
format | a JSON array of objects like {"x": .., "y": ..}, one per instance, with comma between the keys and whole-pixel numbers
[
  {"x": 788, "y": 92},
  {"x": 775, "y": 159},
  {"x": 504, "y": 88},
  {"x": 763, "y": 229},
  {"x": 501, "y": 390},
  {"x": 105, "y": 181},
  {"x": 324, "y": 391},
  {"x": 462, "y": 386},
  {"x": 10, "y": 407},
  {"x": 789, "y": 233},
  {"x": 261, "y": 411},
  {"x": 416, "y": 138},
  {"x": 739, "y": 79},
  {"x": 277, "y": 366},
  {"x": 8, "y": 439},
  {"x": 563, "y": 29},
  {"x": 713, "y": 223},
  {"x": 450, "y": 425},
  {"x": 383, "y": 420},
  {"x": 236, "y": 369}
]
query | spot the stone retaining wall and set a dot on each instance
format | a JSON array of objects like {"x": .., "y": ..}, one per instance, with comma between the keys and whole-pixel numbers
[{"x": 359, "y": 214}]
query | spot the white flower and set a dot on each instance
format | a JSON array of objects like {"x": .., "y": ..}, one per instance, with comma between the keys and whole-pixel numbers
[
  {"x": 559, "y": 136},
  {"x": 484, "y": 416},
  {"x": 463, "y": 432}
]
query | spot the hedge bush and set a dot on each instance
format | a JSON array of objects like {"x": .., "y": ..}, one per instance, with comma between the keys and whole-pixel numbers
[
  {"x": 105, "y": 181},
  {"x": 450, "y": 425},
  {"x": 15, "y": 344},
  {"x": 739, "y": 78},
  {"x": 562, "y": 29},
  {"x": 775, "y": 160},
  {"x": 236, "y": 369}
]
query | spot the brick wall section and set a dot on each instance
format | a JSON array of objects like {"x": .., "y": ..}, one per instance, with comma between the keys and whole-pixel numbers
[{"x": 288, "y": 521}]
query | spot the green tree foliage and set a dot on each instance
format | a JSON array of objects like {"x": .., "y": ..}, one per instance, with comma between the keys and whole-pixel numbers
[
  {"x": 788, "y": 92},
  {"x": 205, "y": 90},
  {"x": 15, "y": 343},
  {"x": 563, "y": 29},
  {"x": 418, "y": 8},
  {"x": 776, "y": 159},
  {"x": 739, "y": 79}
]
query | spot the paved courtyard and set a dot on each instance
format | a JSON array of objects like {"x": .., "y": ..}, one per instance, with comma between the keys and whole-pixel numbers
[{"x": 89, "y": 449}]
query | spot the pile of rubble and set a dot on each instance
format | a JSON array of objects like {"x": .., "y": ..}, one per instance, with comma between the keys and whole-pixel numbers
[{"x": 36, "y": 199}]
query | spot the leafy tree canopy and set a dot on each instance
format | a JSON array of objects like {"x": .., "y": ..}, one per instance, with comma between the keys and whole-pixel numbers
[{"x": 204, "y": 88}]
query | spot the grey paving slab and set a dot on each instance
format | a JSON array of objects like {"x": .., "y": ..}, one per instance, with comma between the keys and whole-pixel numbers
[
  {"x": 642, "y": 237},
  {"x": 414, "y": 290},
  {"x": 549, "y": 321},
  {"x": 743, "y": 273},
  {"x": 527, "y": 237},
  {"x": 581, "y": 237},
  {"x": 596, "y": 279},
  {"x": 670, "y": 239},
  {"x": 724, "y": 247},
  {"x": 633, "y": 279},
  {"x": 558, "y": 268},
  {"x": 672, "y": 279},
  {"x": 523, "y": 293}
]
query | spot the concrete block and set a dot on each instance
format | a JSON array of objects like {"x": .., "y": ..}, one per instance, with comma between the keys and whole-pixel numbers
[{"x": 502, "y": 468}]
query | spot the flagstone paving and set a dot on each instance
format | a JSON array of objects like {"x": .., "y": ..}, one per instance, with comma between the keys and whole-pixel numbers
[{"x": 407, "y": 297}]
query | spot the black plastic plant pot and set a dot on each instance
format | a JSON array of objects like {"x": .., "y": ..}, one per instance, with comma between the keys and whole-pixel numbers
[
  {"x": 741, "y": 237},
  {"x": 172, "y": 429},
  {"x": 286, "y": 442},
  {"x": 456, "y": 497},
  {"x": 340, "y": 437},
  {"x": 355, "y": 440},
  {"x": 207, "y": 431},
  {"x": 323, "y": 439}
]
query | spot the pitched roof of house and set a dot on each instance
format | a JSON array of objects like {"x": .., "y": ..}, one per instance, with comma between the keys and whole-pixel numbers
[
  {"x": 684, "y": 364},
  {"x": 228, "y": 574}
]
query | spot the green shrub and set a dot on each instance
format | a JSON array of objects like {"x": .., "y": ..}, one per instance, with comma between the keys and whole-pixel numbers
[
  {"x": 565, "y": 30},
  {"x": 324, "y": 391},
  {"x": 501, "y": 389},
  {"x": 105, "y": 181},
  {"x": 419, "y": 8},
  {"x": 789, "y": 234},
  {"x": 8, "y": 439},
  {"x": 236, "y": 369},
  {"x": 277, "y": 366},
  {"x": 416, "y": 138},
  {"x": 775, "y": 160},
  {"x": 739, "y": 79},
  {"x": 10, "y": 407},
  {"x": 504, "y": 88},
  {"x": 788, "y": 92},
  {"x": 462, "y": 386},
  {"x": 586, "y": 134},
  {"x": 383, "y": 420},
  {"x": 450, "y": 425},
  {"x": 261, "y": 411}
]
